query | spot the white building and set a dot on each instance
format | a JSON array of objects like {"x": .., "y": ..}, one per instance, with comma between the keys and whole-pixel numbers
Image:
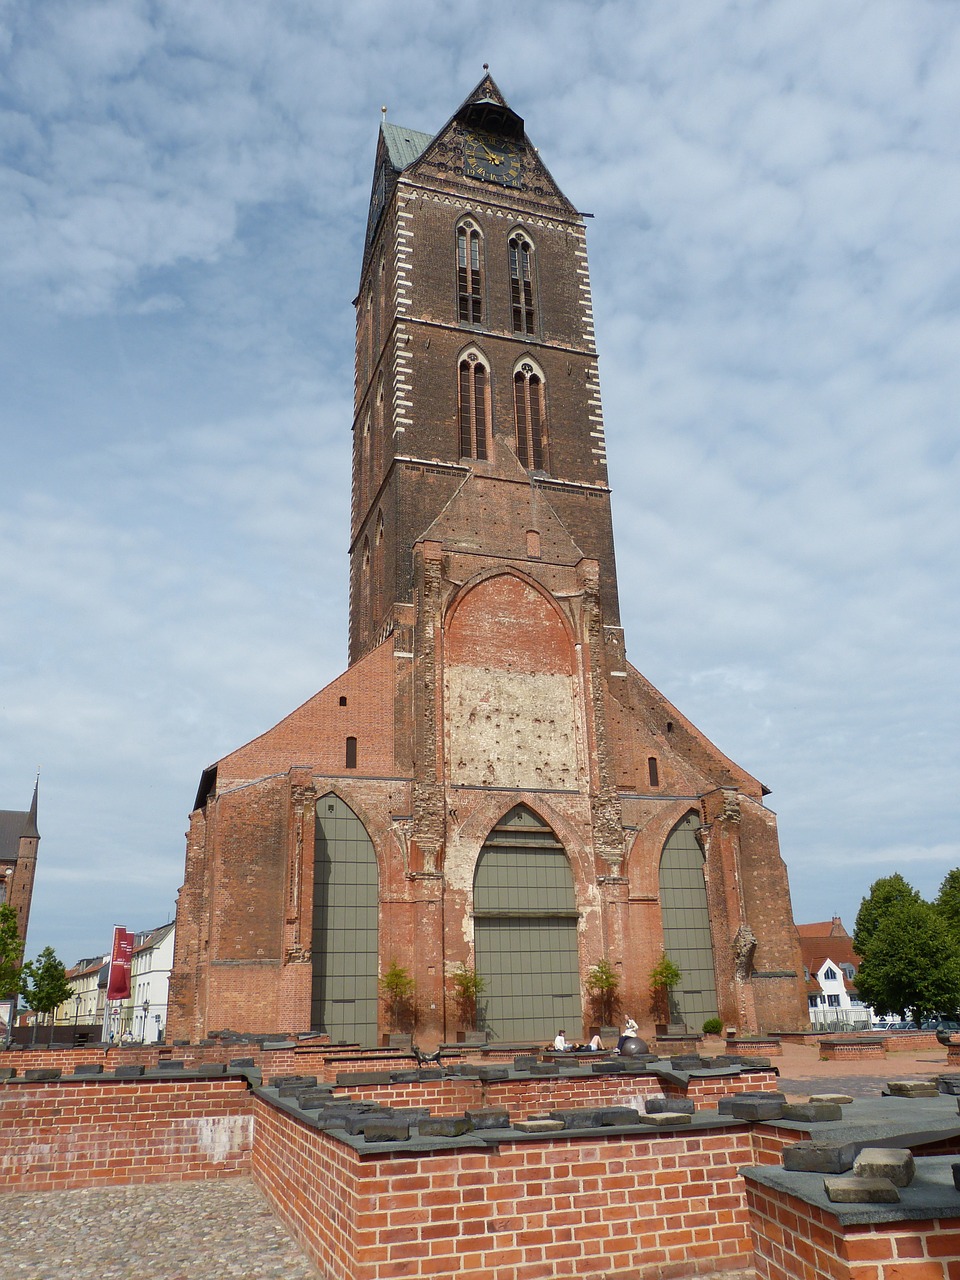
[
  {"x": 149, "y": 982},
  {"x": 830, "y": 968},
  {"x": 88, "y": 979},
  {"x": 143, "y": 1016}
]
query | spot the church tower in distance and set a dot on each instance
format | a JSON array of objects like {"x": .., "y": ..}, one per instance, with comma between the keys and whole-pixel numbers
[{"x": 490, "y": 788}]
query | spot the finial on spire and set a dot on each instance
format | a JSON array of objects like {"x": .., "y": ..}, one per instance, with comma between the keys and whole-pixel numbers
[
  {"x": 486, "y": 66},
  {"x": 383, "y": 114}
]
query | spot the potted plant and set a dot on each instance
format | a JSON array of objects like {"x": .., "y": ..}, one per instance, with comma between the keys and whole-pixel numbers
[
  {"x": 663, "y": 978},
  {"x": 397, "y": 988},
  {"x": 603, "y": 984},
  {"x": 468, "y": 987}
]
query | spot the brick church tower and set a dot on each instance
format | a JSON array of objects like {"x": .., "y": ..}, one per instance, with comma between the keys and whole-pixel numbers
[
  {"x": 19, "y": 843},
  {"x": 490, "y": 785}
]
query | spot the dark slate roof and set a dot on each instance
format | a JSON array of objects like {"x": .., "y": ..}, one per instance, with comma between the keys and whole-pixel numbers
[
  {"x": 14, "y": 825},
  {"x": 404, "y": 145},
  {"x": 153, "y": 938}
]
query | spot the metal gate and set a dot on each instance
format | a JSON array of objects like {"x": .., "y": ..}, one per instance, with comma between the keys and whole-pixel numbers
[
  {"x": 525, "y": 932},
  {"x": 345, "y": 911},
  {"x": 686, "y": 925}
]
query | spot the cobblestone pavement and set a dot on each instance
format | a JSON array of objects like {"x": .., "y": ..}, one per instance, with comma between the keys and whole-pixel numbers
[
  {"x": 220, "y": 1230},
  {"x": 802, "y": 1072}
]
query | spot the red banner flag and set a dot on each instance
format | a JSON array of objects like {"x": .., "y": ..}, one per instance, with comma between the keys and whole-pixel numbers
[{"x": 118, "y": 983}]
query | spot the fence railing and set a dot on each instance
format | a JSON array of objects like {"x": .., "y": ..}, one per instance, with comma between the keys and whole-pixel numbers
[{"x": 841, "y": 1019}]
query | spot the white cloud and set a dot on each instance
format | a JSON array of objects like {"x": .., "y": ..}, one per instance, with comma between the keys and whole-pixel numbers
[{"x": 776, "y": 270}]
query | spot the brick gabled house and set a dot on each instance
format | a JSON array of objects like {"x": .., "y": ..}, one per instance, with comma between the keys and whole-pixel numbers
[
  {"x": 490, "y": 784},
  {"x": 830, "y": 967}
]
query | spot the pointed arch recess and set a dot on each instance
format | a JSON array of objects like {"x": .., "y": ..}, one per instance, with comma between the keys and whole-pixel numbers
[
  {"x": 525, "y": 930},
  {"x": 510, "y": 688},
  {"x": 685, "y": 916},
  {"x": 345, "y": 925}
]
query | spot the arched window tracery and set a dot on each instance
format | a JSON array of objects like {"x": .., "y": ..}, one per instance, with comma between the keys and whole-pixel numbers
[
  {"x": 523, "y": 309},
  {"x": 469, "y": 273},
  {"x": 530, "y": 416},
  {"x": 474, "y": 406}
]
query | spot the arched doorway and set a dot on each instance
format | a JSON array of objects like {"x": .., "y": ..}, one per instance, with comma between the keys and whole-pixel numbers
[
  {"x": 345, "y": 911},
  {"x": 525, "y": 931},
  {"x": 686, "y": 924}
]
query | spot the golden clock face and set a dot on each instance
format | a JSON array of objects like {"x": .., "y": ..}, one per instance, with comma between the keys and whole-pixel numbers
[{"x": 491, "y": 159}]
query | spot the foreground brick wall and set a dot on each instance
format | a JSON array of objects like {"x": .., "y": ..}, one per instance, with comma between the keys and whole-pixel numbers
[
  {"x": 792, "y": 1238},
  {"x": 521, "y": 1211},
  {"x": 64, "y": 1135}
]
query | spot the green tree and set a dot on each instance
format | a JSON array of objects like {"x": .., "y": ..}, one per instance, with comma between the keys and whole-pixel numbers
[
  {"x": 11, "y": 953},
  {"x": 948, "y": 901},
  {"x": 603, "y": 983},
  {"x": 468, "y": 987},
  {"x": 885, "y": 896},
  {"x": 398, "y": 987},
  {"x": 44, "y": 984},
  {"x": 911, "y": 965},
  {"x": 664, "y": 976}
]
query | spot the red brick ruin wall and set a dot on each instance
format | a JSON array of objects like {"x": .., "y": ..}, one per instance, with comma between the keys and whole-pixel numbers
[
  {"x": 64, "y": 1135},
  {"x": 792, "y": 1238},
  {"x": 644, "y": 1203},
  {"x": 523, "y": 1209}
]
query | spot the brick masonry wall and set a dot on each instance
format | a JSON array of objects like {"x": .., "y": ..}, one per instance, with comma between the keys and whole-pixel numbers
[
  {"x": 831, "y": 1050},
  {"x": 272, "y": 1062},
  {"x": 792, "y": 1238},
  {"x": 65, "y": 1135},
  {"x": 520, "y": 1211},
  {"x": 524, "y": 1097}
]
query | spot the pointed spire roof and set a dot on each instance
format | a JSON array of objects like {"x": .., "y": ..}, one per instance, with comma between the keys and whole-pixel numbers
[
  {"x": 17, "y": 825},
  {"x": 484, "y": 108},
  {"x": 30, "y": 831},
  {"x": 487, "y": 108}
]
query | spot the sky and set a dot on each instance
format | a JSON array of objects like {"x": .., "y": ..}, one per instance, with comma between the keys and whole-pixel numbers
[{"x": 775, "y": 261}]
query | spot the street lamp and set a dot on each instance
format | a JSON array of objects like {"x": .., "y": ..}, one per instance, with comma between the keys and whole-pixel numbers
[
  {"x": 146, "y": 1010},
  {"x": 76, "y": 1016}
]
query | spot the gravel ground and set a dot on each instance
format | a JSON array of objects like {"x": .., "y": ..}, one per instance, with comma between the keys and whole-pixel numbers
[{"x": 168, "y": 1231}]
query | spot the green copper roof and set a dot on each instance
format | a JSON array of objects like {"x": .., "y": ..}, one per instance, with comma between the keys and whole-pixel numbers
[{"x": 404, "y": 145}]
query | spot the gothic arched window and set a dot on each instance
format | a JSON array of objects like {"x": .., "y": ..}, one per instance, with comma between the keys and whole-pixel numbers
[
  {"x": 530, "y": 417},
  {"x": 521, "y": 284},
  {"x": 469, "y": 273},
  {"x": 474, "y": 398}
]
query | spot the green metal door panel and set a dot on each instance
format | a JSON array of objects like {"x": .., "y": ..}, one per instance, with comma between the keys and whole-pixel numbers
[
  {"x": 345, "y": 919},
  {"x": 686, "y": 923},
  {"x": 525, "y": 932},
  {"x": 531, "y": 970}
]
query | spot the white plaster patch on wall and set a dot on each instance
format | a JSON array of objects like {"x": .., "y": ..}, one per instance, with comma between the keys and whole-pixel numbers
[
  {"x": 511, "y": 729},
  {"x": 22, "y": 1162},
  {"x": 459, "y": 864},
  {"x": 221, "y": 1136}
]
